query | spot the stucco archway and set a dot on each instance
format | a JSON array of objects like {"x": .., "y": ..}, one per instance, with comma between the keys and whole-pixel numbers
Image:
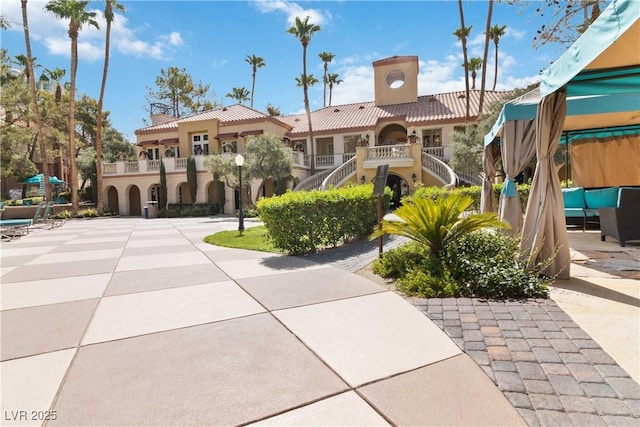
[
  {"x": 111, "y": 194},
  {"x": 135, "y": 205}
]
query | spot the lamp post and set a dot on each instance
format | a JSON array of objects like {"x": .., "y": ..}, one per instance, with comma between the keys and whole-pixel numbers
[{"x": 239, "y": 163}]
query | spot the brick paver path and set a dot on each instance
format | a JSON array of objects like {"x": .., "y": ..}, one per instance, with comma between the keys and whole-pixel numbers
[{"x": 552, "y": 372}]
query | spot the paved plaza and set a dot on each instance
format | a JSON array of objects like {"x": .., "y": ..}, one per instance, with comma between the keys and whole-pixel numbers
[{"x": 126, "y": 321}]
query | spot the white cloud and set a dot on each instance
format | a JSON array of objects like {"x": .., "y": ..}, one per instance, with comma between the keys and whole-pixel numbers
[
  {"x": 357, "y": 85},
  {"x": 293, "y": 10},
  {"x": 52, "y": 32}
]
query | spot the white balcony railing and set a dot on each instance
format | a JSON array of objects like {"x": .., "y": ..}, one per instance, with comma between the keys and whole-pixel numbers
[
  {"x": 439, "y": 169},
  {"x": 153, "y": 165},
  {"x": 180, "y": 163},
  {"x": 132, "y": 167},
  {"x": 389, "y": 152},
  {"x": 435, "y": 152}
]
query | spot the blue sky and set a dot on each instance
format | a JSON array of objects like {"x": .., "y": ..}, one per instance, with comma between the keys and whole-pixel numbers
[{"x": 211, "y": 40}]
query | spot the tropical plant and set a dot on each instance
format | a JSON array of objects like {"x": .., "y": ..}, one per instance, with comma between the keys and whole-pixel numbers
[
  {"x": 240, "y": 94},
  {"x": 272, "y": 110},
  {"x": 495, "y": 33},
  {"x": 76, "y": 12},
  {"x": 462, "y": 33},
  {"x": 434, "y": 223},
  {"x": 192, "y": 178},
  {"x": 333, "y": 80},
  {"x": 473, "y": 66},
  {"x": 54, "y": 76},
  {"x": 326, "y": 58},
  {"x": 306, "y": 80},
  {"x": 255, "y": 62},
  {"x": 34, "y": 106},
  {"x": 303, "y": 31},
  {"x": 109, "y": 6}
]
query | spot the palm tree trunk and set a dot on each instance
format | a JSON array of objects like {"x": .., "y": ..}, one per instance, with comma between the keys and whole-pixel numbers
[
  {"x": 463, "y": 38},
  {"x": 73, "y": 170},
  {"x": 484, "y": 57},
  {"x": 495, "y": 74},
  {"x": 34, "y": 104},
  {"x": 307, "y": 109},
  {"x": 98, "y": 190},
  {"x": 253, "y": 85}
]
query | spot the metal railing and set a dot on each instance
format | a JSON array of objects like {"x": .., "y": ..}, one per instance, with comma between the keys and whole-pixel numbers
[
  {"x": 440, "y": 169},
  {"x": 340, "y": 174}
]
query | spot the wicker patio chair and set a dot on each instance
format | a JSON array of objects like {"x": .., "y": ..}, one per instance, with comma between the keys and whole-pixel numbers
[{"x": 622, "y": 223}]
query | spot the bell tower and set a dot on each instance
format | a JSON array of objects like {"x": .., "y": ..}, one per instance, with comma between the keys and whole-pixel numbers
[{"x": 396, "y": 80}]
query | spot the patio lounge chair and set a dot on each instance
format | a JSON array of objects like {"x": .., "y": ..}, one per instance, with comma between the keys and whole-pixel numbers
[
  {"x": 11, "y": 228},
  {"x": 623, "y": 221},
  {"x": 47, "y": 220}
]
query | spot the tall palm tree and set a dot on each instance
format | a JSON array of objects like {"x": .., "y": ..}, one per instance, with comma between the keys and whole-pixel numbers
[
  {"x": 303, "y": 31},
  {"x": 485, "y": 54},
  {"x": 474, "y": 65},
  {"x": 309, "y": 79},
  {"x": 462, "y": 33},
  {"x": 332, "y": 80},
  {"x": 76, "y": 12},
  {"x": 23, "y": 62},
  {"x": 34, "y": 105},
  {"x": 255, "y": 62},
  {"x": 240, "y": 94},
  {"x": 495, "y": 33},
  {"x": 109, "y": 7},
  {"x": 325, "y": 57}
]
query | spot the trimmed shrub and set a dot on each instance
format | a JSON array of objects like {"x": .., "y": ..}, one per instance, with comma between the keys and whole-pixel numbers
[
  {"x": 475, "y": 192},
  {"x": 87, "y": 213},
  {"x": 302, "y": 222},
  {"x": 182, "y": 210}
]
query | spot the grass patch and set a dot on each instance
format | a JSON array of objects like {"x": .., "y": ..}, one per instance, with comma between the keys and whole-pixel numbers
[{"x": 253, "y": 238}]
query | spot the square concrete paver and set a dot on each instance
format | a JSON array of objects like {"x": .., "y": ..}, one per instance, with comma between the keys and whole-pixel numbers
[
  {"x": 307, "y": 287},
  {"x": 453, "y": 392},
  {"x": 370, "y": 337},
  {"x": 58, "y": 270},
  {"x": 151, "y": 261},
  {"x": 126, "y": 282},
  {"x": 79, "y": 257},
  {"x": 128, "y": 315},
  {"x": 30, "y": 384},
  {"x": 214, "y": 374},
  {"x": 241, "y": 268},
  {"x": 53, "y": 291},
  {"x": 346, "y": 409},
  {"x": 42, "y": 329}
]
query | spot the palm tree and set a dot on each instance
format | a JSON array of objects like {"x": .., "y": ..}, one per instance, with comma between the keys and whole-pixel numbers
[
  {"x": 34, "y": 105},
  {"x": 54, "y": 76},
  {"x": 462, "y": 33},
  {"x": 435, "y": 223},
  {"x": 76, "y": 12},
  {"x": 255, "y": 62},
  {"x": 240, "y": 94},
  {"x": 23, "y": 62},
  {"x": 109, "y": 6},
  {"x": 495, "y": 33},
  {"x": 310, "y": 80},
  {"x": 303, "y": 31},
  {"x": 474, "y": 65},
  {"x": 333, "y": 80},
  {"x": 325, "y": 57},
  {"x": 487, "y": 31}
]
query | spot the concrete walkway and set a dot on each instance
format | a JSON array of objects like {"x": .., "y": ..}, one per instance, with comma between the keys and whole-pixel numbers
[{"x": 127, "y": 321}]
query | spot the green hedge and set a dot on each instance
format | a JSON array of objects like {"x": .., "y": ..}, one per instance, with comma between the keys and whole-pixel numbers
[
  {"x": 474, "y": 192},
  {"x": 178, "y": 210},
  {"x": 302, "y": 222}
]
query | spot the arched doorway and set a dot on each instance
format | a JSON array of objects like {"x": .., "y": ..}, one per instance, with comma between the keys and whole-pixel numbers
[
  {"x": 135, "y": 207},
  {"x": 392, "y": 134},
  {"x": 399, "y": 188},
  {"x": 112, "y": 200}
]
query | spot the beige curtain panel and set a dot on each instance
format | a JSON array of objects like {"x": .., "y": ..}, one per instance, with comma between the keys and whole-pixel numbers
[
  {"x": 612, "y": 162},
  {"x": 487, "y": 199},
  {"x": 517, "y": 149},
  {"x": 544, "y": 224}
]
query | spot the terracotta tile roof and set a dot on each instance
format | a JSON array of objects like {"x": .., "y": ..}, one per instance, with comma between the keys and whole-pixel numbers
[
  {"x": 430, "y": 109},
  {"x": 233, "y": 114}
]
